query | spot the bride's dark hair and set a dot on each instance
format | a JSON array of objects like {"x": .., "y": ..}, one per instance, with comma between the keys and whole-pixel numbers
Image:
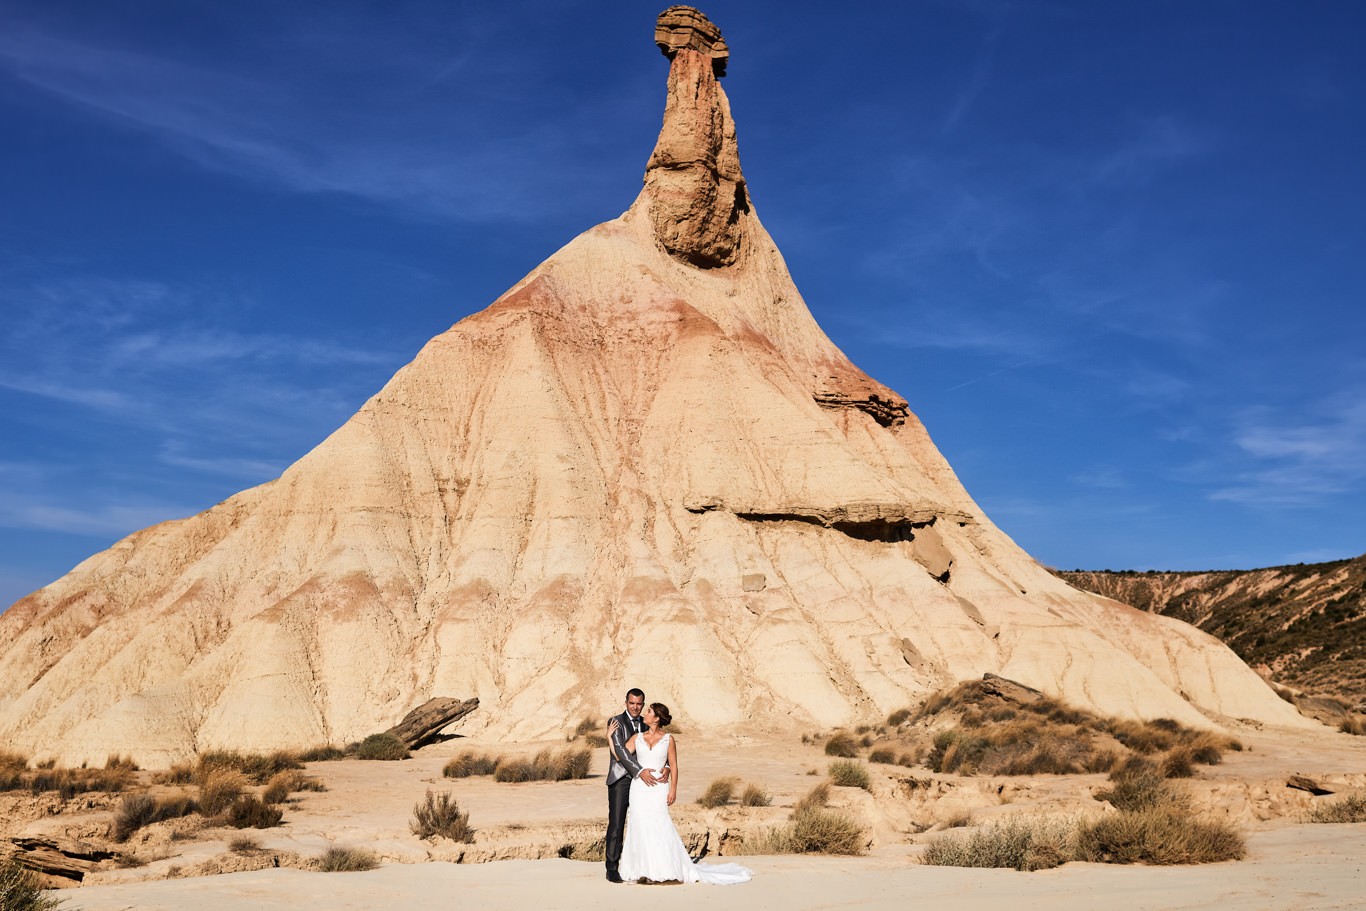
[{"x": 662, "y": 713}]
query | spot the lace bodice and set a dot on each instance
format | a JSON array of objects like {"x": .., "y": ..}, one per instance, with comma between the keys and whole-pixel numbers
[{"x": 652, "y": 757}]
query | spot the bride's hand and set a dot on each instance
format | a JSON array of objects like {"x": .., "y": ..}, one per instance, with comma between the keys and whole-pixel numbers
[
  {"x": 673, "y": 795},
  {"x": 612, "y": 726}
]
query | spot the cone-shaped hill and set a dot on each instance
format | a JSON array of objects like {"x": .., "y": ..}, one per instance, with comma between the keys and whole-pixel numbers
[{"x": 645, "y": 464}]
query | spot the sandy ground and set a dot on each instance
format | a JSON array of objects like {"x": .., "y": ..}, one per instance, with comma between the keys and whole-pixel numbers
[
  {"x": 368, "y": 804},
  {"x": 1307, "y": 867}
]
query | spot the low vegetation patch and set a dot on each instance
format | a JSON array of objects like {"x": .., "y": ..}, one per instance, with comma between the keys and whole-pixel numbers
[
  {"x": 1020, "y": 842},
  {"x": 999, "y": 736},
  {"x": 243, "y": 844},
  {"x": 324, "y": 753},
  {"x": 383, "y": 747},
  {"x": 250, "y": 812},
  {"x": 718, "y": 793},
  {"x": 347, "y": 860},
  {"x": 843, "y": 744},
  {"x": 755, "y": 796},
  {"x": 1347, "y": 809},
  {"x": 219, "y": 788},
  {"x": 15, "y": 775},
  {"x": 812, "y": 828},
  {"x": 468, "y": 764},
  {"x": 439, "y": 814},
  {"x": 257, "y": 768},
  {"x": 20, "y": 891},
  {"x": 138, "y": 810},
  {"x": 1353, "y": 724},
  {"x": 1159, "y": 836},
  {"x": 846, "y": 773},
  {"x": 283, "y": 784},
  {"x": 547, "y": 765}
]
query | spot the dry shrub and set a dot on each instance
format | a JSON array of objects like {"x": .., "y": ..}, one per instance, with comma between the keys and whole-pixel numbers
[
  {"x": 1139, "y": 785},
  {"x": 385, "y": 747},
  {"x": 138, "y": 810},
  {"x": 842, "y": 743},
  {"x": 1178, "y": 763},
  {"x": 1353, "y": 724},
  {"x": 243, "y": 844},
  {"x": 179, "y": 773},
  {"x": 846, "y": 773},
  {"x": 252, "y": 813},
  {"x": 718, "y": 793},
  {"x": 468, "y": 764},
  {"x": 547, "y": 765},
  {"x": 219, "y": 788},
  {"x": 596, "y": 741},
  {"x": 11, "y": 761},
  {"x": 899, "y": 717},
  {"x": 70, "y": 782},
  {"x": 439, "y": 814},
  {"x": 325, "y": 753},
  {"x": 1158, "y": 836},
  {"x": 1019, "y": 842},
  {"x": 587, "y": 726},
  {"x": 883, "y": 755},
  {"x": 347, "y": 860},
  {"x": 287, "y": 782},
  {"x": 817, "y": 797},
  {"x": 755, "y": 796},
  {"x": 1348, "y": 809},
  {"x": 20, "y": 890},
  {"x": 257, "y": 768},
  {"x": 115, "y": 761}
]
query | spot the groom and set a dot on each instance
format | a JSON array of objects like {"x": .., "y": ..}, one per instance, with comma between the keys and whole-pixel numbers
[{"x": 622, "y": 768}]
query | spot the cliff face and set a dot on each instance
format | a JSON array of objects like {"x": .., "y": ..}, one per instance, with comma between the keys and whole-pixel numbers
[
  {"x": 645, "y": 464},
  {"x": 1303, "y": 625}
]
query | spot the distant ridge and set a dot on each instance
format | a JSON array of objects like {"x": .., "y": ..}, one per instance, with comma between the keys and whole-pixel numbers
[{"x": 1302, "y": 624}]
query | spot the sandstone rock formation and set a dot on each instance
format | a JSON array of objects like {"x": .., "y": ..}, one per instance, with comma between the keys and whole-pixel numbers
[{"x": 644, "y": 464}]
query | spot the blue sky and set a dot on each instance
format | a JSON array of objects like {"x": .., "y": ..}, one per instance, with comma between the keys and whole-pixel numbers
[{"x": 1113, "y": 254}]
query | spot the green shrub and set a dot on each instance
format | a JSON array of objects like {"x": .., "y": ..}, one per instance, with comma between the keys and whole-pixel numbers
[
  {"x": 439, "y": 814},
  {"x": 846, "y": 773},
  {"x": 468, "y": 764},
  {"x": 718, "y": 793},
  {"x": 382, "y": 747},
  {"x": 249, "y": 812},
  {"x": 1018, "y": 842},
  {"x": 755, "y": 796},
  {"x": 347, "y": 860},
  {"x": 842, "y": 743},
  {"x": 19, "y": 889},
  {"x": 1347, "y": 809}
]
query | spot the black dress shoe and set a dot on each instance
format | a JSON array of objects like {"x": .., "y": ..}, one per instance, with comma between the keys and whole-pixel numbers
[{"x": 613, "y": 876}]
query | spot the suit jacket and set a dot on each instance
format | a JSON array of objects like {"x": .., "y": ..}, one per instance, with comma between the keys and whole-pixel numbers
[{"x": 623, "y": 764}]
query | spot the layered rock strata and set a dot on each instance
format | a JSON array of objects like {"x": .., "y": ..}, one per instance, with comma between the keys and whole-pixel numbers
[{"x": 644, "y": 464}]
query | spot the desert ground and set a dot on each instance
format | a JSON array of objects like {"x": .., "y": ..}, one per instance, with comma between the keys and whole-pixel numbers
[{"x": 528, "y": 834}]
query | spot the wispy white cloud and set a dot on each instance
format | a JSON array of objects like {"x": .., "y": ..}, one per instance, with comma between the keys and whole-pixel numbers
[{"x": 1300, "y": 460}]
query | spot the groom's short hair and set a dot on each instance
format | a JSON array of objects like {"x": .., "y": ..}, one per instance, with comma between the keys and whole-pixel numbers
[{"x": 635, "y": 691}]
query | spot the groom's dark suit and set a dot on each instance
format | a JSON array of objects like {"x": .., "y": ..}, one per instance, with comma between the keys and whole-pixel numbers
[{"x": 620, "y": 773}]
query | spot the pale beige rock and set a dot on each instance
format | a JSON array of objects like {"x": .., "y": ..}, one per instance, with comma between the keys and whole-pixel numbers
[{"x": 563, "y": 496}]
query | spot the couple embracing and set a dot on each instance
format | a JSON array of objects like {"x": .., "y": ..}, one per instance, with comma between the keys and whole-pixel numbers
[{"x": 642, "y": 783}]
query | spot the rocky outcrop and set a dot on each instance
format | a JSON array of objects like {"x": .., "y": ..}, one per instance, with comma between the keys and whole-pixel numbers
[
  {"x": 425, "y": 723},
  {"x": 697, "y": 196},
  {"x": 645, "y": 464}
]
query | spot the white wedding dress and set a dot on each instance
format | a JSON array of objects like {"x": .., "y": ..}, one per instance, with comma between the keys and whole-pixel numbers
[{"x": 653, "y": 849}]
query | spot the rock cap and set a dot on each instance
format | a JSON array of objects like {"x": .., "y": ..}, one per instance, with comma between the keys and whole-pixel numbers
[{"x": 683, "y": 27}]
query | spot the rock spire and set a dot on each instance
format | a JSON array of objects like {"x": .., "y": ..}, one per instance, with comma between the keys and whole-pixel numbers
[{"x": 698, "y": 200}]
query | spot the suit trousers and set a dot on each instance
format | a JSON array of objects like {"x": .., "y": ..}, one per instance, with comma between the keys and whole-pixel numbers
[{"x": 618, "y": 796}]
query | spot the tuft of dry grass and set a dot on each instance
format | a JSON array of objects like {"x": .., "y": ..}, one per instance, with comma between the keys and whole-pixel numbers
[
  {"x": 755, "y": 796},
  {"x": 1020, "y": 842},
  {"x": 1353, "y": 724},
  {"x": 138, "y": 810},
  {"x": 248, "y": 812},
  {"x": 718, "y": 793},
  {"x": 347, "y": 860},
  {"x": 587, "y": 726},
  {"x": 845, "y": 773},
  {"x": 883, "y": 755},
  {"x": 1139, "y": 785},
  {"x": 324, "y": 753},
  {"x": 257, "y": 768},
  {"x": 1158, "y": 836},
  {"x": 468, "y": 764},
  {"x": 219, "y": 788},
  {"x": 20, "y": 890},
  {"x": 812, "y": 829},
  {"x": 842, "y": 744},
  {"x": 282, "y": 784},
  {"x": 898, "y": 718},
  {"x": 1346, "y": 809},
  {"x": 179, "y": 773},
  {"x": 66, "y": 782},
  {"x": 385, "y": 747},
  {"x": 243, "y": 844},
  {"x": 547, "y": 765},
  {"x": 439, "y": 814}
]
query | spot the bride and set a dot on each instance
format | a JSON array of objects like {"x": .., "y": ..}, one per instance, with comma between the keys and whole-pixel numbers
[{"x": 653, "y": 852}]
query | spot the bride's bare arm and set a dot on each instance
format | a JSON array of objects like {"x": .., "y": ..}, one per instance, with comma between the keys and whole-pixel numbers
[{"x": 673, "y": 764}]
